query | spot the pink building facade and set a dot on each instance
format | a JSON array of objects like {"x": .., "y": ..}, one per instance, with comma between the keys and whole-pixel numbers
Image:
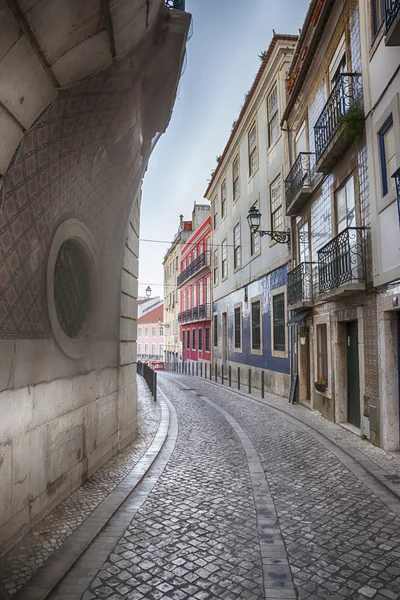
[
  {"x": 194, "y": 283},
  {"x": 150, "y": 335}
]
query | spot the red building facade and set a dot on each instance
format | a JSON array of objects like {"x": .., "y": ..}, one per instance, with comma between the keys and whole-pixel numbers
[{"x": 194, "y": 283}]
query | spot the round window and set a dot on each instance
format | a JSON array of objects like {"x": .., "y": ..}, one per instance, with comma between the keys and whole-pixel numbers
[
  {"x": 72, "y": 284},
  {"x": 72, "y": 290}
]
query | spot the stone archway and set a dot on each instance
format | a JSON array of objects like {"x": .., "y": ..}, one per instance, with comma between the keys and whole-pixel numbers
[{"x": 77, "y": 153}]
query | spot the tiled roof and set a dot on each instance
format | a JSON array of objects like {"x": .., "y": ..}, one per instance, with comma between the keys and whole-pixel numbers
[{"x": 152, "y": 316}]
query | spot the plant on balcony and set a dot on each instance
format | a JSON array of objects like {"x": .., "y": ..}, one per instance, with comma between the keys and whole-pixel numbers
[
  {"x": 353, "y": 122},
  {"x": 321, "y": 384},
  {"x": 303, "y": 337}
]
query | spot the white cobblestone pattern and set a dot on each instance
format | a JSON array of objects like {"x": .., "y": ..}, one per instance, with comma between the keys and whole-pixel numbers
[{"x": 29, "y": 554}]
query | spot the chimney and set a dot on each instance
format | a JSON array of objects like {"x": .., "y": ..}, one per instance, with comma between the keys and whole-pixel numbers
[{"x": 181, "y": 220}]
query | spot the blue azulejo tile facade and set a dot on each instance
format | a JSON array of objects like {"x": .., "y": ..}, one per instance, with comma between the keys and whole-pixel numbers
[{"x": 274, "y": 362}]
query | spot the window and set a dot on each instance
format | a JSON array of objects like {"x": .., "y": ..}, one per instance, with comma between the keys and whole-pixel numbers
[
  {"x": 201, "y": 298},
  {"x": 255, "y": 325},
  {"x": 208, "y": 290},
  {"x": 215, "y": 330},
  {"x": 194, "y": 295},
  {"x": 139, "y": 332},
  {"x": 387, "y": 148},
  {"x": 161, "y": 349},
  {"x": 161, "y": 330},
  {"x": 322, "y": 351},
  {"x": 188, "y": 339},
  {"x": 304, "y": 246},
  {"x": 200, "y": 339},
  {"x": 238, "y": 332},
  {"x": 194, "y": 339},
  {"x": 153, "y": 332},
  {"x": 224, "y": 264},
  {"x": 236, "y": 180},
  {"x": 146, "y": 349},
  {"x": 215, "y": 203},
  {"x": 208, "y": 347},
  {"x": 153, "y": 350},
  {"x": 273, "y": 117},
  {"x": 345, "y": 207},
  {"x": 278, "y": 317},
  {"x": 188, "y": 298},
  {"x": 208, "y": 250},
  {"x": 253, "y": 152},
  {"x": 254, "y": 239},
  {"x": 146, "y": 332},
  {"x": 276, "y": 205},
  {"x": 377, "y": 14},
  {"x": 223, "y": 199},
  {"x": 176, "y": 264},
  {"x": 139, "y": 349},
  {"x": 236, "y": 247},
  {"x": 216, "y": 266}
]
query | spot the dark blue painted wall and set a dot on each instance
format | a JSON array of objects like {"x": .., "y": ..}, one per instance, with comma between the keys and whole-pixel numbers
[{"x": 261, "y": 287}]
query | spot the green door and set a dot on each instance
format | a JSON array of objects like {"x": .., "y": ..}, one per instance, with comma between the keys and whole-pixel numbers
[{"x": 353, "y": 375}]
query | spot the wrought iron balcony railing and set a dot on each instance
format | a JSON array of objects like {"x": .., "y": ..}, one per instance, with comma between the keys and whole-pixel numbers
[
  {"x": 392, "y": 9},
  {"x": 342, "y": 260},
  {"x": 198, "y": 313},
  {"x": 176, "y": 4},
  {"x": 346, "y": 94},
  {"x": 195, "y": 266},
  {"x": 396, "y": 176},
  {"x": 301, "y": 175},
  {"x": 299, "y": 284}
]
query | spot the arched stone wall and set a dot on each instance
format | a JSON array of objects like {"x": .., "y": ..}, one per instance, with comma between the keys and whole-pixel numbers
[{"x": 83, "y": 158}]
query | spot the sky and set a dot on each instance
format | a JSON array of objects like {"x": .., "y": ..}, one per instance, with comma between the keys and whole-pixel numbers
[{"x": 220, "y": 66}]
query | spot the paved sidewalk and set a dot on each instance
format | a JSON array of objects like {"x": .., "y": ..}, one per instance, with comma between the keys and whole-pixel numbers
[{"x": 25, "y": 558}]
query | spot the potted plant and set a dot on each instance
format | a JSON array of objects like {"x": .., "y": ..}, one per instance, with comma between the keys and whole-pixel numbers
[
  {"x": 321, "y": 384},
  {"x": 302, "y": 335}
]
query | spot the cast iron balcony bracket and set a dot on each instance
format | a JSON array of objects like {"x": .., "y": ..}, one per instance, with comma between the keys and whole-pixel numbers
[
  {"x": 392, "y": 7},
  {"x": 176, "y": 4},
  {"x": 299, "y": 176},
  {"x": 342, "y": 260},
  {"x": 346, "y": 94}
]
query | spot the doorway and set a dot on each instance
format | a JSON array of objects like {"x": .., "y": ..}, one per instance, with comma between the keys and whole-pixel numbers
[
  {"x": 224, "y": 340},
  {"x": 353, "y": 375}
]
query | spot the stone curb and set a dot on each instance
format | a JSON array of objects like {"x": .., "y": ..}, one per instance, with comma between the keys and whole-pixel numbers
[
  {"x": 56, "y": 568},
  {"x": 372, "y": 469}
]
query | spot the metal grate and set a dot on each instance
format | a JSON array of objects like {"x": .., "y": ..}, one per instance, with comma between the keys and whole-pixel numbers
[
  {"x": 72, "y": 293},
  {"x": 301, "y": 175}
]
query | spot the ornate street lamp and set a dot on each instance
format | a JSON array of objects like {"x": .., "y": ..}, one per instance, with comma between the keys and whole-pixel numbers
[
  {"x": 148, "y": 291},
  {"x": 254, "y": 221}
]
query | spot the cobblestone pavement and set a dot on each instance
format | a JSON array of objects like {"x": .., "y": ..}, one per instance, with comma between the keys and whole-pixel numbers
[
  {"x": 247, "y": 501},
  {"x": 28, "y": 555},
  {"x": 342, "y": 540}
]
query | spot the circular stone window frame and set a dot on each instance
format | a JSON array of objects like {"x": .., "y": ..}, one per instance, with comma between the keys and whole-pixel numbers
[{"x": 73, "y": 229}]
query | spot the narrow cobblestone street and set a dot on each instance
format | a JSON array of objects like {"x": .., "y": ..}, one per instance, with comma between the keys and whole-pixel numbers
[{"x": 242, "y": 500}]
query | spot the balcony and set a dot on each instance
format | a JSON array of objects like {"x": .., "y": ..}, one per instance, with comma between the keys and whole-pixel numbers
[
  {"x": 198, "y": 313},
  {"x": 203, "y": 260},
  {"x": 299, "y": 183},
  {"x": 392, "y": 18},
  {"x": 341, "y": 264},
  {"x": 339, "y": 122},
  {"x": 176, "y": 4},
  {"x": 299, "y": 286}
]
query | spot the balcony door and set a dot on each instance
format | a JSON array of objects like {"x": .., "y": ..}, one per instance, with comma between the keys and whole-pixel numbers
[
  {"x": 225, "y": 340},
  {"x": 338, "y": 63}
]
